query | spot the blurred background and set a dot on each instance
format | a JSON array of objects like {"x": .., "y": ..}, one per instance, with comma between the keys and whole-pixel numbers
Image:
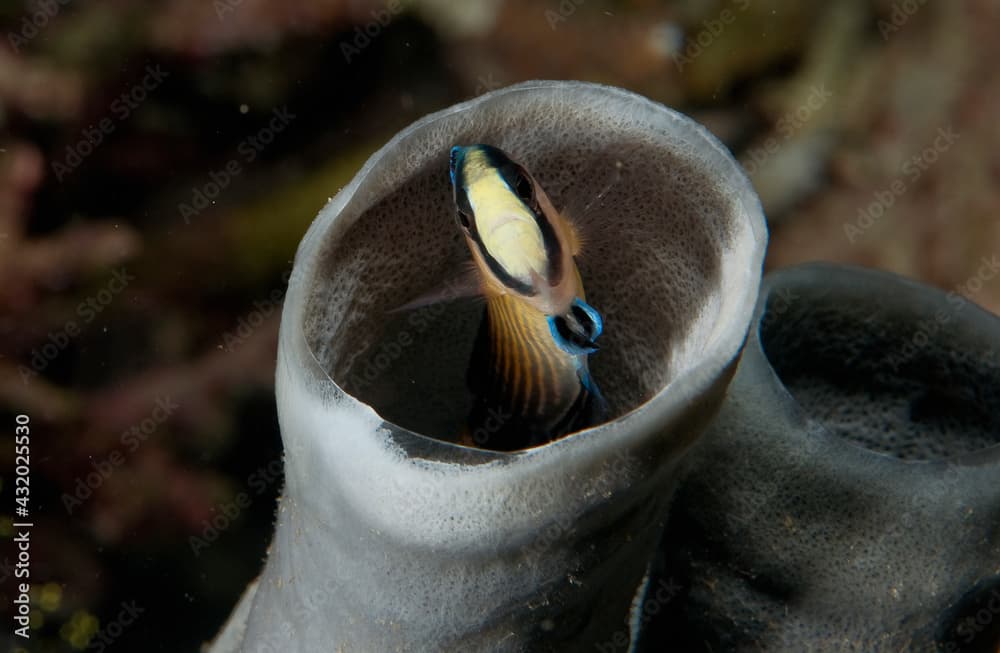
[{"x": 159, "y": 162}]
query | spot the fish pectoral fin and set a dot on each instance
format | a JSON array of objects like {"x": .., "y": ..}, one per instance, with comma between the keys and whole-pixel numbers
[
  {"x": 597, "y": 405},
  {"x": 463, "y": 286},
  {"x": 587, "y": 410}
]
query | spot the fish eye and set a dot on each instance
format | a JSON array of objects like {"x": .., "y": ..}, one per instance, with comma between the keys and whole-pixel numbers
[{"x": 523, "y": 187}]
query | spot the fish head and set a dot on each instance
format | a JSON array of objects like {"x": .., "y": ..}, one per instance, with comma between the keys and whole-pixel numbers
[{"x": 521, "y": 245}]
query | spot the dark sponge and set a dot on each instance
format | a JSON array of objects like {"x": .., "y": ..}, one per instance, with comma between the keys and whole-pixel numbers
[{"x": 847, "y": 497}]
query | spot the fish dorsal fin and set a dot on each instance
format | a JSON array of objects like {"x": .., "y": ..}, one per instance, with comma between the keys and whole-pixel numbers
[{"x": 573, "y": 240}]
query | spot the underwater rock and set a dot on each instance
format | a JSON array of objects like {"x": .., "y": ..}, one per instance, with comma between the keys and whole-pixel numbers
[
  {"x": 392, "y": 537},
  {"x": 847, "y": 497}
]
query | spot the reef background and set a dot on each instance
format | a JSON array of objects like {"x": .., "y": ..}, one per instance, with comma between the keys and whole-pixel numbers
[{"x": 159, "y": 163}]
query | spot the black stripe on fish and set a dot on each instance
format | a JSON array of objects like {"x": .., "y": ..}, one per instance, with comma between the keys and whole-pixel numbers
[
  {"x": 502, "y": 275},
  {"x": 553, "y": 249}
]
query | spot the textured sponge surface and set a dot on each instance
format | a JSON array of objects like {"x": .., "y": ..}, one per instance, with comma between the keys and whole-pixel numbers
[
  {"x": 847, "y": 497},
  {"x": 887, "y": 377}
]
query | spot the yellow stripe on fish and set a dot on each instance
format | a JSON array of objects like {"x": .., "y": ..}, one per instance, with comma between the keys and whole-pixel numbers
[{"x": 505, "y": 225}]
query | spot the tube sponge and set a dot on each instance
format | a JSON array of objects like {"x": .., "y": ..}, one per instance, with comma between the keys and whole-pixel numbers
[{"x": 391, "y": 537}]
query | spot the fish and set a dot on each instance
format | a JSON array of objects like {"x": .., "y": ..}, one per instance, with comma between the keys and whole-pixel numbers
[{"x": 529, "y": 370}]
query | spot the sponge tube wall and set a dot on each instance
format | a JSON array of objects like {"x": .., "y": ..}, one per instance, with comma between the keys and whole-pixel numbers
[{"x": 392, "y": 537}]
